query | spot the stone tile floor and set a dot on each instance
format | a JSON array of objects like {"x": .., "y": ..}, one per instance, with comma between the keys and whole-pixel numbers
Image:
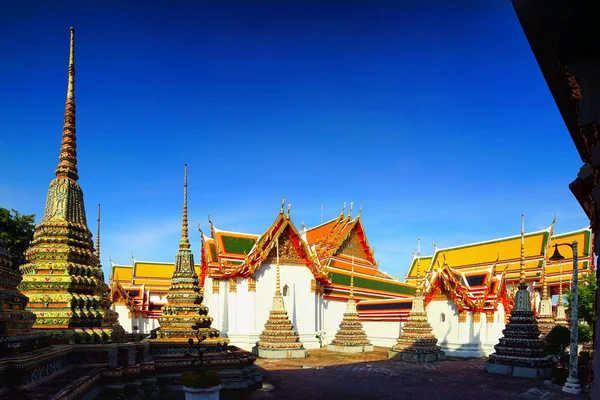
[{"x": 326, "y": 375}]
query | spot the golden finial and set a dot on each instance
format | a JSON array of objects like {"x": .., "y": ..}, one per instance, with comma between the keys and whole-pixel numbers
[
  {"x": 132, "y": 259},
  {"x": 277, "y": 278},
  {"x": 184, "y": 243},
  {"x": 302, "y": 226},
  {"x": 359, "y": 211},
  {"x": 98, "y": 238},
  {"x": 282, "y": 204},
  {"x": 289, "y": 208},
  {"x": 434, "y": 247},
  {"x": 67, "y": 166},
  {"x": 522, "y": 276},
  {"x": 352, "y": 281},
  {"x": 343, "y": 210},
  {"x": 350, "y": 212},
  {"x": 200, "y": 230},
  {"x": 210, "y": 222}
]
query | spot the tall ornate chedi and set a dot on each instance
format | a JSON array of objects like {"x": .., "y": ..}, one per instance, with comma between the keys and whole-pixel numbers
[
  {"x": 417, "y": 343},
  {"x": 350, "y": 338},
  {"x": 279, "y": 339},
  {"x": 521, "y": 351},
  {"x": 62, "y": 276},
  {"x": 545, "y": 318},
  {"x": 185, "y": 316},
  {"x": 560, "y": 316}
]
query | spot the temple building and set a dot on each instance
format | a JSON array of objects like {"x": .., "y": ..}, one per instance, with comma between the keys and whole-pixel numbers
[{"x": 468, "y": 291}]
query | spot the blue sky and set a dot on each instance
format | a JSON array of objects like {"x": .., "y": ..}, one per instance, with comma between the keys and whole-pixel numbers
[{"x": 435, "y": 117}]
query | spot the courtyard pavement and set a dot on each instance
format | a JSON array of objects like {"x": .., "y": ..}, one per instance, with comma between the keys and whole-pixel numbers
[{"x": 326, "y": 375}]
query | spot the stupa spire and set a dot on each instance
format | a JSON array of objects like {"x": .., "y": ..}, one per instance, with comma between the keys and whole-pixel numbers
[
  {"x": 522, "y": 276},
  {"x": 352, "y": 281},
  {"x": 184, "y": 243},
  {"x": 61, "y": 238},
  {"x": 185, "y": 312},
  {"x": 67, "y": 166},
  {"x": 277, "y": 276},
  {"x": 417, "y": 343},
  {"x": 98, "y": 236},
  {"x": 560, "y": 316},
  {"x": 350, "y": 338}
]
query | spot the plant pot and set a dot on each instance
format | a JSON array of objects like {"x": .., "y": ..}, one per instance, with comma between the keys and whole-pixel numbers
[{"x": 211, "y": 393}]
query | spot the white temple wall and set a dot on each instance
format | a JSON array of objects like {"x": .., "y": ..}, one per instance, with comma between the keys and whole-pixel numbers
[
  {"x": 124, "y": 317},
  {"x": 382, "y": 333},
  {"x": 333, "y": 314}
]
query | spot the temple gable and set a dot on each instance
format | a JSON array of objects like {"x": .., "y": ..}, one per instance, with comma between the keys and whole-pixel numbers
[{"x": 353, "y": 246}]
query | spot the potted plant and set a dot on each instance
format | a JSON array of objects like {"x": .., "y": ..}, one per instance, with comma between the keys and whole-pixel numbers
[{"x": 201, "y": 385}]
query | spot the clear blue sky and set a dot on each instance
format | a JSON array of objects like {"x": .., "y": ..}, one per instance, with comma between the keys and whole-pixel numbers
[{"x": 435, "y": 117}]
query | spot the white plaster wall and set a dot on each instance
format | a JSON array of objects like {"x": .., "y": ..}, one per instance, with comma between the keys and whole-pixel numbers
[
  {"x": 382, "y": 333},
  {"x": 124, "y": 318},
  {"x": 333, "y": 313}
]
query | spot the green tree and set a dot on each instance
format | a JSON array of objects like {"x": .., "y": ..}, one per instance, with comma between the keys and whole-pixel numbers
[
  {"x": 16, "y": 231},
  {"x": 586, "y": 309}
]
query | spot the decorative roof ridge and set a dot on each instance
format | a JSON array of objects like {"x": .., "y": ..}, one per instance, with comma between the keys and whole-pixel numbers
[
  {"x": 539, "y": 232},
  {"x": 386, "y": 278},
  {"x": 113, "y": 265},
  {"x": 221, "y": 231},
  {"x": 386, "y": 301},
  {"x": 157, "y": 262},
  {"x": 588, "y": 228},
  {"x": 323, "y": 224}
]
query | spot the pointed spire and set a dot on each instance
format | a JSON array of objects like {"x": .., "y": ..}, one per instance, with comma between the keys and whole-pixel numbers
[
  {"x": 522, "y": 276},
  {"x": 544, "y": 283},
  {"x": 343, "y": 210},
  {"x": 289, "y": 209},
  {"x": 277, "y": 278},
  {"x": 282, "y": 204},
  {"x": 350, "y": 212},
  {"x": 67, "y": 166},
  {"x": 560, "y": 288},
  {"x": 434, "y": 247},
  {"x": 98, "y": 238},
  {"x": 184, "y": 243},
  {"x": 352, "y": 281},
  {"x": 419, "y": 283},
  {"x": 359, "y": 211}
]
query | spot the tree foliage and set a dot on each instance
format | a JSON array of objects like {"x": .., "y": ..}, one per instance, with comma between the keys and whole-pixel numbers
[
  {"x": 16, "y": 231},
  {"x": 586, "y": 309}
]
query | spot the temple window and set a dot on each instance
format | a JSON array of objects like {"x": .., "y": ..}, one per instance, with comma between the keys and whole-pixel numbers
[
  {"x": 285, "y": 290},
  {"x": 442, "y": 317}
]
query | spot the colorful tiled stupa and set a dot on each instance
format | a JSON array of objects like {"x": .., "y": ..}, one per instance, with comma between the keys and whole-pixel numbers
[
  {"x": 545, "y": 318},
  {"x": 184, "y": 315},
  {"x": 279, "y": 339},
  {"x": 62, "y": 277},
  {"x": 350, "y": 338},
  {"x": 560, "y": 315},
  {"x": 521, "y": 351},
  {"x": 417, "y": 343}
]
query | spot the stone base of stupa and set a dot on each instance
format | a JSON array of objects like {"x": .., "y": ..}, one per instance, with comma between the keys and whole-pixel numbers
[
  {"x": 518, "y": 371},
  {"x": 280, "y": 353},
  {"x": 416, "y": 357},
  {"x": 363, "y": 348},
  {"x": 25, "y": 342}
]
